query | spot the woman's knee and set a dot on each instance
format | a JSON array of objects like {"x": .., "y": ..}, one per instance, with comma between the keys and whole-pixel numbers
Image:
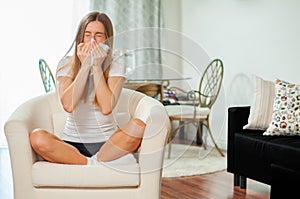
[
  {"x": 39, "y": 139},
  {"x": 132, "y": 142},
  {"x": 134, "y": 128}
]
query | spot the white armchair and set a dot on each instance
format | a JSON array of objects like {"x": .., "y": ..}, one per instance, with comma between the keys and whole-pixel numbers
[{"x": 37, "y": 179}]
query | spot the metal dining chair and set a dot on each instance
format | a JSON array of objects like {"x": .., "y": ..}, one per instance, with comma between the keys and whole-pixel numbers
[
  {"x": 202, "y": 100},
  {"x": 47, "y": 76}
]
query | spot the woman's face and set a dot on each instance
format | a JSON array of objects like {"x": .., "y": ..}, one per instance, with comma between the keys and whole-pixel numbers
[{"x": 95, "y": 30}]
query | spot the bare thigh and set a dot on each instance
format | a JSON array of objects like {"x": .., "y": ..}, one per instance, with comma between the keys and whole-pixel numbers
[
  {"x": 40, "y": 138},
  {"x": 53, "y": 149}
]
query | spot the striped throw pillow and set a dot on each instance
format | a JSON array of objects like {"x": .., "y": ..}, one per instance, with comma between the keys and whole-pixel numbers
[{"x": 262, "y": 105}]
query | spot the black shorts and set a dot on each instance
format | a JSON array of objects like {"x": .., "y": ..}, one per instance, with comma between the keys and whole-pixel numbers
[{"x": 86, "y": 149}]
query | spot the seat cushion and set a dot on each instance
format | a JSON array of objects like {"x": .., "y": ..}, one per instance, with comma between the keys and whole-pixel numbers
[
  {"x": 255, "y": 153},
  {"x": 46, "y": 174},
  {"x": 285, "y": 182},
  {"x": 278, "y": 149},
  {"x": 187, "y": 111}
]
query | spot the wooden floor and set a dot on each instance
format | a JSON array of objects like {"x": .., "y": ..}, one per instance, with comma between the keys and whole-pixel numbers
[{"x": 217, "y": 185}]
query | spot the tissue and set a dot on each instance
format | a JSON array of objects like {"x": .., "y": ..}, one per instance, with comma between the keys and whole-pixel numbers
[{"x": 104, "y": 47}]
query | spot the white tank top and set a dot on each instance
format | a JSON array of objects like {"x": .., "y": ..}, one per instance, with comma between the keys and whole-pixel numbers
[{"x": 87, "y": 124}]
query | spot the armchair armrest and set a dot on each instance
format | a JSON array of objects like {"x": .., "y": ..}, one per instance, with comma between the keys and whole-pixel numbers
[
  {"x": 22, "y": 156},
  {"x": 152, "y": 148},
  {"x": 17, "y": 128}
]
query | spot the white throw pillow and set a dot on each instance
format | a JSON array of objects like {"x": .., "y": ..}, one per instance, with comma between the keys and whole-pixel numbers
[
  {"x": 286, "y": 110},
  {"x": 262, "y": 105}
]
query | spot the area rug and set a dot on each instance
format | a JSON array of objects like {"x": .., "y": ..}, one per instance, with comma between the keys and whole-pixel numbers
[{"x": 188, "y": 160}]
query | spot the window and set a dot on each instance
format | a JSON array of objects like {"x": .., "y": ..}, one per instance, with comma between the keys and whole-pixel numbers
[{"x": 32, "y": 30}]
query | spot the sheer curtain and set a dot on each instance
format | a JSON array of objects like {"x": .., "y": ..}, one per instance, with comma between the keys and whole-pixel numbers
[
  {"x": 32, "y": 29},
  {"x": 137, "y": 30}
]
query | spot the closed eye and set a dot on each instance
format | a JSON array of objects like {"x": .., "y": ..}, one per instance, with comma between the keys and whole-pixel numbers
[{"x": 100, "y": 34}]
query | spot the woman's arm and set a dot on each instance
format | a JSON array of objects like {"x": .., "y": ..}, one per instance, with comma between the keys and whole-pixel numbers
[
  {"x": 107, "y": 93},
  {"x": 71, "y": 91}
]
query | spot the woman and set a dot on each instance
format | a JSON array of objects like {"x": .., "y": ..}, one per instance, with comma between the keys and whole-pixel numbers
[{"x": 89, "y": 86}]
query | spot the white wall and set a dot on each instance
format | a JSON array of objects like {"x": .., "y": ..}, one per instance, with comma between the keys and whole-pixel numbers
[
  {"x": 251, "y": 37},
  {"x": 31, "y": 30}
]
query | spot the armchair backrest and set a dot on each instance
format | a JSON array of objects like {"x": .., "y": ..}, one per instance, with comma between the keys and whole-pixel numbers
[{"x": 54, "y": 117}]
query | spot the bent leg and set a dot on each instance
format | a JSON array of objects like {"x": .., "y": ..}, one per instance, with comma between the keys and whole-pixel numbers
[
  {"x": 125, "y": 140},
  {"x": 53, "y": 149}
]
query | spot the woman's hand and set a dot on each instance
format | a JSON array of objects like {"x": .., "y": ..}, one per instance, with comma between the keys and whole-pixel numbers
[
  {"x": 84, "y": 54},
  {"x": 99, "y": 54}
]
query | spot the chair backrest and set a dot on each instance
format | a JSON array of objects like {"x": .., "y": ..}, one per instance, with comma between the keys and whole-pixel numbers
[
  {"x": 47, "y": 76},
  {"x": 210, "y": 83}
]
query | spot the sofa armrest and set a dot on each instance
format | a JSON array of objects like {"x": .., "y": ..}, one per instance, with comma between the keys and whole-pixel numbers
[{"x": 237, "y": 118}]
